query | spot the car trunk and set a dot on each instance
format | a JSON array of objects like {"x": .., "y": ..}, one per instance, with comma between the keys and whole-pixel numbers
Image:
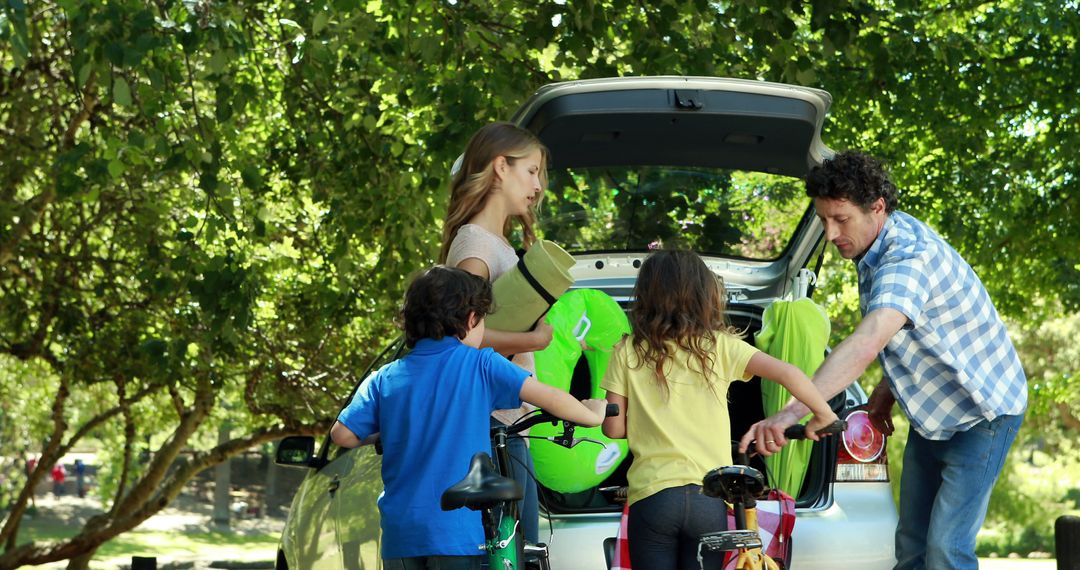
[
  {"x": 744, "y": 409},
  {"x": 709, "y": 164}
]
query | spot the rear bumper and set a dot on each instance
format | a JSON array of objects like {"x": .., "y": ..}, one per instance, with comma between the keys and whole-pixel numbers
[{"x": 856, "y": 531}]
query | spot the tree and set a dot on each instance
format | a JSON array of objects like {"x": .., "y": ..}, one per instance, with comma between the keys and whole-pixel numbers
[{"x": 209, "y": 209}]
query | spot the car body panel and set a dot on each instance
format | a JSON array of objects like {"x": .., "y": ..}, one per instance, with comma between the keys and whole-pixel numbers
[
  {"x": 356, "y": 508},
  {"x": 840, "y": 536},
  {"x": 309, "y": 539}
]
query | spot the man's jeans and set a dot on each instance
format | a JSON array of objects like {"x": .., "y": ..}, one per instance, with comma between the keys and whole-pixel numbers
[
  {"x": 944, "y": 491},
  {"x": 434, "y": 563},
  {"x": 663, "y": 529}
]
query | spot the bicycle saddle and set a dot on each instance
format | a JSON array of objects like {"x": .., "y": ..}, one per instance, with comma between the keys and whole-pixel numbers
[
  {"x": 734, "y": 483},
  {"x": 482, "y": 488}
]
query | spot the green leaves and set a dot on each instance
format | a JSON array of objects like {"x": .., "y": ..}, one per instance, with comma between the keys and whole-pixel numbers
[
  {"x": 121, "y": 91},
  {"x": 255, "y": 180},
  {"x": 14, "y": 31}
]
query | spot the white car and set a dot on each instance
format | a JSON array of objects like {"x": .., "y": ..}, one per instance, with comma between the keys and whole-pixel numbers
[{"x": 705, "y": 163}]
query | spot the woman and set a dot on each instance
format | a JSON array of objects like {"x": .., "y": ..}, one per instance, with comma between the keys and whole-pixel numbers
[{"x": 499, "y": 185}]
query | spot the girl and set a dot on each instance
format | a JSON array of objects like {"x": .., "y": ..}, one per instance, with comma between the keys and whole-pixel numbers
[
  {"x": 500, "y": 182},
  {"x": 670, "y": 380}
]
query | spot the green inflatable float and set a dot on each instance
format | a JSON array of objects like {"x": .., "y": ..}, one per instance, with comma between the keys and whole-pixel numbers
[{"x": 587, "y": 324}]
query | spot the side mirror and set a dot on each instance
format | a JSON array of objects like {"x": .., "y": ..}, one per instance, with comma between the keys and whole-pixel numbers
[{"x": 296, "y": 451}]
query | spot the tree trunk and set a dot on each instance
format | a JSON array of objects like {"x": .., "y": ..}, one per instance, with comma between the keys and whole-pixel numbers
[
  {"x": 222, "y": 483},
  {"x": 271, "y": 503},
  {"x": 82, "y": 561}
]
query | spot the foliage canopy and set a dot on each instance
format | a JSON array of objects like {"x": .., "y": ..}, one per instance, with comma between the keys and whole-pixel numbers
[{"x": 208, "y": 209}]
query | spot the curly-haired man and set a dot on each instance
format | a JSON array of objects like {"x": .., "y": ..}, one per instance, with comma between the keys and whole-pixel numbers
[{"x": 945, "y": 353}]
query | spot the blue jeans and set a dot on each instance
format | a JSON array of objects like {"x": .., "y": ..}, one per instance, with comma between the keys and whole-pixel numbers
[
  {"x": 944, "y": 491},
  {"x": 521, "y": 466},
  {"x": 663, "y": 529},
  {"x": 434, "y": 563}
]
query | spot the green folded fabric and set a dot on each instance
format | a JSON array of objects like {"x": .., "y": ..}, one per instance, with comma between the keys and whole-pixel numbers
[
  {"x": 795, "y": 332},
  {"x": 518, "y": 302}
]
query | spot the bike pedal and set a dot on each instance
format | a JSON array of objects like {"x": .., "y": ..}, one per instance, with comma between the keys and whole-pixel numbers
[{"x": 731, "y": 540}]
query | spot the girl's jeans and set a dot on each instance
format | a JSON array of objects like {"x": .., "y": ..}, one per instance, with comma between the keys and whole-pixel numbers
[
  {"x": 663, "y": 529},
  {"x": 944, "y": 491}
]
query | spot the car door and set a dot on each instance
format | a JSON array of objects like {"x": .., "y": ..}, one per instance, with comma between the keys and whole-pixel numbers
[
  {"x": 334, "y": 520},
  {"x": 311, "y": 537},
  {"x": 356, "y": 511}
]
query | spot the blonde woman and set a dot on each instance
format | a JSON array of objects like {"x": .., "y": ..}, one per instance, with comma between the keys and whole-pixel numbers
[{"x": 499, "y": 185}]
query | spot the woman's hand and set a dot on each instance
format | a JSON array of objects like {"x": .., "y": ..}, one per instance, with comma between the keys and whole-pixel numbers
[{"x": 541, "y": 335}]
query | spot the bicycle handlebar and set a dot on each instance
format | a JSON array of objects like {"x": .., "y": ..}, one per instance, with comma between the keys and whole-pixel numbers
[
  {"x": 541, "y": 417},
  {"x": 798, "y": 431}
]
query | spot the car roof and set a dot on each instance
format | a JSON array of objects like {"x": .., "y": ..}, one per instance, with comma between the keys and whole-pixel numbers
[{"x": 680, "y": 121}]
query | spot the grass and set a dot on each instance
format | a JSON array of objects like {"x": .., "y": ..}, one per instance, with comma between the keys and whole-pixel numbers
[
  {"x": 175, "y": 546},
  {"x": 182, "y": 544}
]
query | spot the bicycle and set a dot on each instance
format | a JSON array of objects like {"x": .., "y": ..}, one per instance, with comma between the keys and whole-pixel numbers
[
  {"x": 495, "y": 494},
  {"x": 741, "y": 486}
]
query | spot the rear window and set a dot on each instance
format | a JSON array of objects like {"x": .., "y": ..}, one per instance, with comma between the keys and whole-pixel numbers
[{"x": 729, "y": 213}]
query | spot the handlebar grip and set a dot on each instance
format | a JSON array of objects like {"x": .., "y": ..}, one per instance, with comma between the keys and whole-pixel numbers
[
  {"x": 612, "y": 410},
  {"x": 798, "y": 431}
]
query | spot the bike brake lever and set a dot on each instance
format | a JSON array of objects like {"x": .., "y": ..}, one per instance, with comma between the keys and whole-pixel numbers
[{"x": 578, "y": 440}]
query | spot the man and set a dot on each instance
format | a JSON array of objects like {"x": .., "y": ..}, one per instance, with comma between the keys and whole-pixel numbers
[{"x": 946, "y": 357}]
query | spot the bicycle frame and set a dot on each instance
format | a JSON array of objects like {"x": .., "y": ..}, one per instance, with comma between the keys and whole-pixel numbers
[
  {"x": 741, "y": 485},
  {"x": 505, "y": 545},
  {"x": 744, "y": 539}
]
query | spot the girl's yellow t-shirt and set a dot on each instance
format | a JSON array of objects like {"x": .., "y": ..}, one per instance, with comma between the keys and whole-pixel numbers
[{"x": 676, "y": 435}]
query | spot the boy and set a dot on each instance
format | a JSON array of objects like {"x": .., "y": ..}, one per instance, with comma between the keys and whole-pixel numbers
[{"x": 431, "y": 408}]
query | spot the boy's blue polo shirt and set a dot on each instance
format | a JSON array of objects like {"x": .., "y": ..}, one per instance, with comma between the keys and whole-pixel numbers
[{"x": 431, "y": 408}]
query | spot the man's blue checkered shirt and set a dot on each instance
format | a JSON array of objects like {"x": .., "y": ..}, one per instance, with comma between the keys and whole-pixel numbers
[{"x": 952, "y": 365}]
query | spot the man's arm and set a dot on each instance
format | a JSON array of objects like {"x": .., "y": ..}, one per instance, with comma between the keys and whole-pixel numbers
[{"x": 843, "y": 366}]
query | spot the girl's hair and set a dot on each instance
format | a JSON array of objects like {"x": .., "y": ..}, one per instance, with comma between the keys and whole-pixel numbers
[
  {"x": 474, "y": 181},
  {"x": 677, "y": 298}
]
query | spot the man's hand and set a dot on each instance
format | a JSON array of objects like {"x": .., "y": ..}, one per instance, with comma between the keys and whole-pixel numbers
[
  {"x": 879, "y": 408},
  {"x": 818, "y": 423},
  {"x": 769, "y": 433}
]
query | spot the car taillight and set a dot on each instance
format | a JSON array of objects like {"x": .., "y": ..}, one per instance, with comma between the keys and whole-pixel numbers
[{"x": 861, "y": 455}]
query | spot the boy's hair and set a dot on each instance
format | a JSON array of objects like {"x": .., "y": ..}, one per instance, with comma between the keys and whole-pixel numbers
[
  {"x": 438, "y": 303},
  {"x": 677, "y": 298},
  {"x": 853, "y": 176}
]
